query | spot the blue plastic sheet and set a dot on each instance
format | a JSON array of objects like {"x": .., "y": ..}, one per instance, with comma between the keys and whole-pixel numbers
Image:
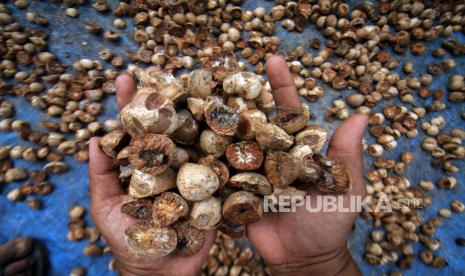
[{"x": 69, "y": 41}]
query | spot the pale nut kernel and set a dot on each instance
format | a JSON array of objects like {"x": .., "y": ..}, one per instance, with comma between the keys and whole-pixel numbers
[
  {"x": 205, "y": 214},
  {"x": 145, "y": 185},
  {"x": 196, "y": 182},
  {"x": 245, "y": 84}
]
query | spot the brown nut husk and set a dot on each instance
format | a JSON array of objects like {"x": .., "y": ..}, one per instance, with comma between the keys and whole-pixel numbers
[
  {"x": 144, "y": 184},
  {"x": 247, "y": 121},
  {"x": 149, "y": 112},
  {"x": 272, "y": 137},
  {"x": 180, "y": 156},
  {"x": 190, "y": 239},
  {"x": 290, "y": 120},
  {"x": 234, "y": 231},
  {"x": 245, "y": 155},
  {"x": 139, "y": 208},
  {"x": 336, "y": 177},
  {"x": 221, "y": 118},
  {"x": 242, "y": 208},
  {"x": 217, "y": 166},
  {"x": 314, "y": 136},
  {"x": 168, "y": 208},
  {"x": 205, "y": 214},
  {"x": 112, "y": 143},
  {"x": 188, "y": 128},
  {"x": 310, "y": 172},
  {"x": 245, "y": 84},
  {"x": 164, "y": 83},
  {"x": 281, "y": 168},
  {"x": 146, "y": 240},
  {"x": 199, "y": 84},
  {"x": 196, "y": 182},
  {"x": 251, "y": 182},
  {"x": 122, "y": 159},
  {"x": 213, "y": 143},
  {"x": 151, "y": 153}
]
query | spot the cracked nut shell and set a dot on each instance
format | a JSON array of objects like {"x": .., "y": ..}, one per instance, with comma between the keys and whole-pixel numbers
[
  {"x": 290, "y": 120},
  {"x": 281, "y": 168},
  {"x": 190, "y": 239},
  {"x": 245, "y": 155},
  {"x": 242, "y": 208},
  {"x": 144, "y": 184},
  {"x": 145, "y": 239},
  {"x": 151, "y": 153},
  {"x": 139, "y": 208},
  {"x": 217, "y": 166},
  {"x": 336, "y": 177},
  {"x": 271, "y": 136},
  {"x": 221, "y": 118},
  {"x": 168, "y": 208},
  {"x": 314, "y": 136},
  {"x": 112, "y": 143},
  {"x": 251, "y": 182}
]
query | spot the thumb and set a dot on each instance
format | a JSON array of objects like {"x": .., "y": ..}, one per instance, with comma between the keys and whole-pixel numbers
[{"x": 346, "y": 146}]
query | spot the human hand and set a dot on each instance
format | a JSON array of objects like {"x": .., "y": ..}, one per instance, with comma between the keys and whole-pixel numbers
[
  {"x": 107, "y": 196},
  {"x": 303, "y": 242}
]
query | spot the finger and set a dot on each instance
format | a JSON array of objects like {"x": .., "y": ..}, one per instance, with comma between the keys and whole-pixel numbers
[
  {"x": 280, "y": 78},
  {"x": 125, "y": 89},
  {"x": 18, "y": 267},
  {"x": 346, "y": 146},
  {"x": 103, "y": 176},
  {"x": 15, "y": 249}
]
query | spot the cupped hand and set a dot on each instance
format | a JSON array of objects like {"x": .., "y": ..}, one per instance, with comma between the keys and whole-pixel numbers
[
  {"x": 306, "y": 242},
  {"x": 107, "y": 196}
]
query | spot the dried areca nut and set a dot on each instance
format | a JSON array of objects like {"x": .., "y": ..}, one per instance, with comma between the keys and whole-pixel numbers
[
  {"x": 245, "y": 155},
  {"x": 336, "y": 178},
  {"x": 292, "y": 120},
  {"x": 164, "y": 83},
  {"x": 15, "y": 174},
  {"x": 55, "y": 167},
  {"x": 234, "y": 231},
  {"x": 281, "y": 168},
  {"x": 251, "y": 182},
  {"x": 247, "y": 121},
  {"x": 309, "y": 172},
  {"x": 218, "y": 167},
  {"x": 151, "y": 153},
  {"x": 301, "y": 152},
  {"x": 145, "y": 185},
  {"x": 168, "y": 208},
  {"x": 196, "y": 107},
  {"x": 236, "y": 103},
  {"x": 205, "y": 214},
  {"x": 196, "y": 182},
  {"x": 122, "y": 158},
  {"x": 190, "y": 239},
  {"x": 314, "y": 136},
  {"x": 271, "y": 136},
  {"x": 140, "y": 208},
  {"x": 147, "y": 240},
  {"x": 213, "y": 143},
  {"x": 242, "y": 208},
  {"x": 180, "y": 156},
  {"x": 188, "y": 128},
  {"x": 112, "y": 143},
  {"x": 149, "y": 112},
  {"x": 221, "y": 118},
  {"x": 199, "y": 84},
  {"x": 245, "y": 84}
]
